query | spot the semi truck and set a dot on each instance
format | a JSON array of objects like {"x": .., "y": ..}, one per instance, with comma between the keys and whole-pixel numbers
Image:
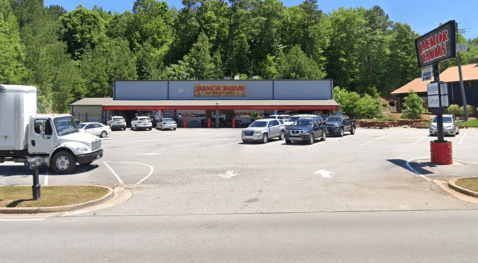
[{"x": 51, "y": 140}]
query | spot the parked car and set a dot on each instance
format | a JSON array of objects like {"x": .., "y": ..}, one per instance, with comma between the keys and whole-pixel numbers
[
  {"x": 337, "y": 125},
  {"x": 294, "y": 118},
  {"x": 262, "y": 130},
  {"x": 93, "y": 120},
  {"x": 280, "y": 117},
  {"x": 307, "y": 130},
  {"x": 450, "y": 125},
  {"x": 141, "y": 122},
  {"x": 117, "y": 122},
  {"x": 77, "y": 121},
  {"x": 94, "y": 128},
  {"x": 166, "y": 123}
]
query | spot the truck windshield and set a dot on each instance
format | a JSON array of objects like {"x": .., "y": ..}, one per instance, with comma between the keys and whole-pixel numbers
[
  {"x": 304, "y": 122},
  {"x": 65, "y": 125}
]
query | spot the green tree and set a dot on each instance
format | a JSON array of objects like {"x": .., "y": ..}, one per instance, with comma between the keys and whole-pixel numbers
[
  {"x": 413, "y": 106},
  {"x": 296, "y": 65},
  {"x": 200, "y": 60},
  {"x": 180, "y": 71},
  {"x": 12, "y": 69},
  {"x": 82, "y": 28},
  {"x": 348, "y": 101},
  {"x": 269, "y": 68}
]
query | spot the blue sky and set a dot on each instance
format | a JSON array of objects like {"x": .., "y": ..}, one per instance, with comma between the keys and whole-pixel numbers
[{"x": 422, "y": 15}]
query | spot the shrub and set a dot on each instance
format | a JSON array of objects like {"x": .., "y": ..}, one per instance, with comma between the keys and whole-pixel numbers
[
  {"x": 356, "y": 107},
  {"x": 471, "y": 111},
  {"x": 454, "y": 109},
  {"x": 413, "y": 106}
]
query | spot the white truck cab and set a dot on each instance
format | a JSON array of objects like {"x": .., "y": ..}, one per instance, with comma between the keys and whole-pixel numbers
[{"x": 54, "y": 139}]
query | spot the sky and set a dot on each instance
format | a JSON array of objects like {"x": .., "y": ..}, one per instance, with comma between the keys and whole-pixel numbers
[{"x": 422, "y": 15}]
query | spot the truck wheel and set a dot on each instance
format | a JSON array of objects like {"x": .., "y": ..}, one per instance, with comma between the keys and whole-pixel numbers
[
  {"x": 265, "y": 138},
  {"x": 341, "y": 132},
  {"x": 282, "y": 135},
  {"x": 311, "y": 139},
  {"x": 352, "y": 131},
  {"x": 324, "y": 135},
  {"x": 288, "y": 141},
  {"x": 63, "y": 162},
  {"x": 103, "y": 134}
]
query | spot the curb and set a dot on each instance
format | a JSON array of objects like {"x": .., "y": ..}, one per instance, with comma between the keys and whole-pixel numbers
[
  {"x": 452, "y": 185},
  {"x": 55, "y": 209}
]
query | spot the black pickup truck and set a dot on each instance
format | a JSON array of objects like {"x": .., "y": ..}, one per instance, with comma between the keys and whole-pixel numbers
[{"x": 337, "y": 125}]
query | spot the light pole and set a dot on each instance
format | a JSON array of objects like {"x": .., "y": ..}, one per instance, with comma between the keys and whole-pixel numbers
[{"x": 217, "y": 115}]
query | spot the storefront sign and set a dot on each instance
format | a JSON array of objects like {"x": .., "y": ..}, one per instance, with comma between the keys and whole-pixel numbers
[
  {"x": 220, "y": 90},
  {"x": 437, "y": 45}
]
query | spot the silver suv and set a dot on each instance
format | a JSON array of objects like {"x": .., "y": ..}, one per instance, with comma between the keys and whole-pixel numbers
[
  {"x": 262, "y": 130},
  {"x": 141, "y": 122},
  {"x": 450, "y": 125},
  {"x": 117, "y": 122}
]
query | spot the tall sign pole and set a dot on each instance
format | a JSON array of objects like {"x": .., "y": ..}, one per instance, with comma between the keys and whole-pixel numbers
[
  {"x": 462, "y": 88},
  {"x": 432, "y": 48}
]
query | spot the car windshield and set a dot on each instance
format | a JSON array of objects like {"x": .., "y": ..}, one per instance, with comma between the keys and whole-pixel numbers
[
  {"x": 80, "y": 126},
  {"x": 445, "y": 120},
  {"x": 65, "y": 125},
  {"x": 144, "y": 119},
  {"x": 304, "y": 122},
  {"x": 118, "y": 119},
  {"x": 333, "y": 119},
  {"x": 292, "y": 119},
  {"x": 259, "y": 124}
]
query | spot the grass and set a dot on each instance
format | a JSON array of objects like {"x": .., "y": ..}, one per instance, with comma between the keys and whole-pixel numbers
[
  {"x": 469, "y": 183},
  {"x": 21, "y": 196},
  {"x": 473, "y": 123}
]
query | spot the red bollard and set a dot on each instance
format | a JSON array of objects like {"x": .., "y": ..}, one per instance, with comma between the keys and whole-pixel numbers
[
  {"x": 185, "y": 123},
  {"x": 234, "y": 123},
  {"x": 209, "y": 123},
  {"x": 441, "y": 153}
]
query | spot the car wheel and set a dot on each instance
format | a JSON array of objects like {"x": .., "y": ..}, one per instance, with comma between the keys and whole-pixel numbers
[
  {"x": 341, "y": 132},
  {"x": 103, "y": 134},
  {"x": 288, "y": 141},
  {"x": 282, "y": 135},
  {"x": 352, "y": 131},
  {"x": 174, "y": 129},
  {"x": 311, "y": 139},
  {"x": 63, "y": 162},
  {"x": 324, "y": 135},
  {"x": 265, "y": 137},
  {"x": 244, "y": 141}
]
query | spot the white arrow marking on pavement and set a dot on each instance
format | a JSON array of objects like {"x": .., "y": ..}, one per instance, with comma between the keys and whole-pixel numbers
[
  {"x": 228, "y": 174},
  {"x": 324, "y": 173}
]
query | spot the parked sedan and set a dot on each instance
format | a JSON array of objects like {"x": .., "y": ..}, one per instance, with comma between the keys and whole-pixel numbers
[
  {"x": 94, "y": 128},
  {"x": 450, "y": 125},
  {"x": 166, "y": 123}
]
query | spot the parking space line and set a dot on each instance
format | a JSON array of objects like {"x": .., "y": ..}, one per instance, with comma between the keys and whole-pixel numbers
[
  {"x": 463, "y": 137},
  {"x": 418, "y": 141},
  {"x": 184, "y": 145},
  {"x": 378, "y": 139},
  {"x": 224, "y": 145},
  {"x": 45, "y": 181},
  {"x": 117, "y": 177},
  {"x": 415, "y": 171}
]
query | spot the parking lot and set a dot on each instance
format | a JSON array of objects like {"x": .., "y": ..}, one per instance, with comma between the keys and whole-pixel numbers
[{"x": 211, "y": 170}]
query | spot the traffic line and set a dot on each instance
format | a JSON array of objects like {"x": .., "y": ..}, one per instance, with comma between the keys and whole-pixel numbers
[
  {"x": 184, "y": 145},
  {"x": 45, "y": 180},
  {"x": 419, "y": 141},
  {"x": 112, "y": 171},
  {"x": 415, "y": 171},
  {"x": 22, "y": 219},
  {"x": 463, "y": 137},
  {"x": 378, "y": 139}
]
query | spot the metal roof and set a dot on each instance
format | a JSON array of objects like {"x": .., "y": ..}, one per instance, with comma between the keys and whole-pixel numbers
[
  {"x": 91, "y": 102},
  {"x": 220, "y": 103}
]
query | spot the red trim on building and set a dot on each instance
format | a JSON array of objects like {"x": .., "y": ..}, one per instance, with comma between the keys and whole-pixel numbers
[{"x": 220, "y": 108}]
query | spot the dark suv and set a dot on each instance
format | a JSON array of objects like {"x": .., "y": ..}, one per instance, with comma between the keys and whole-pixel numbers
[
  {"x": 306, "y": 129},
  {"x": 337, "y": 125}
]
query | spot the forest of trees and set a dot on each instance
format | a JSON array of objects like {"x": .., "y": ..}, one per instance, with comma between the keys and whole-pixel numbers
[{"x": 77, "y": 54}]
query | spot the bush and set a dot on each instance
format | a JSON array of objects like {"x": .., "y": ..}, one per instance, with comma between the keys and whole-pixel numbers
[
  {"x": 471, "y": 111},
  {"x": 454, "y": 109},
  {"x": 356, "y": 107},
  {"x": 413, "y": 106}
]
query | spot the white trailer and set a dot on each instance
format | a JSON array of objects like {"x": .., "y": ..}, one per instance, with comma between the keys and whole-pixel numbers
[{"x": 52, "y": 140}]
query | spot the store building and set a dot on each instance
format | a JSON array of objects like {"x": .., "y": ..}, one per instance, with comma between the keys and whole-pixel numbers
[
  {"x": 451, "y": 77},
  {"x": 234, "y": 101}
]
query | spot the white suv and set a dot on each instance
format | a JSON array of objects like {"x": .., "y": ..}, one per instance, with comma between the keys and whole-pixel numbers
[
  {"x": 117, "y": 122},
  {"x": 141, "y": 122}
]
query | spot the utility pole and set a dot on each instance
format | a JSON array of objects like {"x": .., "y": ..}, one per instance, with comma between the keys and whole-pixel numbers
[{"x": 462, "y": 88}]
